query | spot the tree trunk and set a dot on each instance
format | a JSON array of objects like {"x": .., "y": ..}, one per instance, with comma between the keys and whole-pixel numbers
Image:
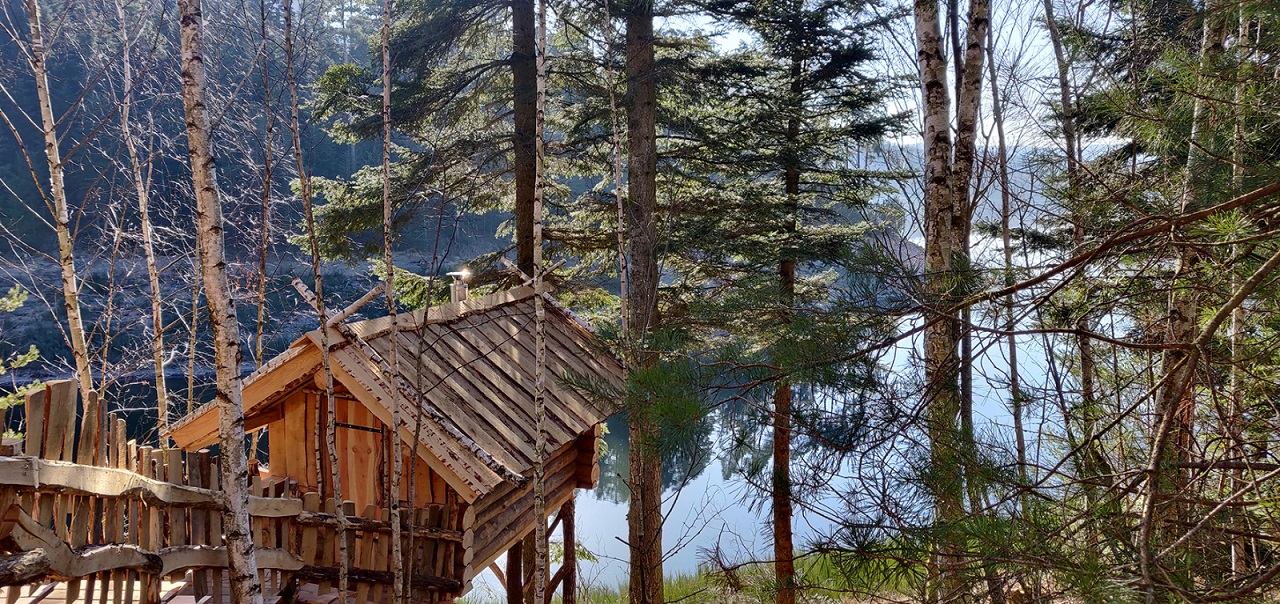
[
  {"x": 1235, "y": 418},
  {"x": 969, "y": 73},
  {"x": 142, "y": 187},
  {"x": 619, "y": 202},
  {"x": 946, "y": 225},
  {"x": 525, "y": 87},
  {"x": 393, "y": 498},
  {"x": 542, "y": 562},
  {"x": 1006, "y": 240},
  {"x": 58, "y": 192},
  {"x": 327, "y": 431},
  {"x": 268, "y": 171},
  {"x": 644, "y": 518},
  {"x": 243, "y": 567},
  {"x": 942, "y": 400},
  {"x": 784, "y": 564},
  {"x": 1175, "y": 403}
]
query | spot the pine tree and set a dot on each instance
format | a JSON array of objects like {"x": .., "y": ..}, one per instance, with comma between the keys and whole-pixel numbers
[{"x": 772, "y": 253}]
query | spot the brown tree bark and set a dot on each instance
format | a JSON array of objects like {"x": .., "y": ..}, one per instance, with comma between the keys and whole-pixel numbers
[
  {"x": 524, "y": 74},
  {"x": 1175, "y": 409},
  {"x": 784, "y": 564},
  {"x": 243, "y": 568},
  {"x": 644, "y": 518}
]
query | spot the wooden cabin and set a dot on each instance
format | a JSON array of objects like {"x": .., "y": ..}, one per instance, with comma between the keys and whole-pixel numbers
[{"x": 465, "y": 395}]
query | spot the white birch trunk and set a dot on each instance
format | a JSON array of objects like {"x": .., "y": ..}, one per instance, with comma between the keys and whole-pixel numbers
[
  {"x": 541, "y": 560},
  {"x": 245, "y": 588},
  {"x": 142, "y": 188},
  {"x": 616, "y": 132},
  {"x": 946, "y": 223},
  {"x": 328, "y": 430},
  {"x": 58, "y": 193}
]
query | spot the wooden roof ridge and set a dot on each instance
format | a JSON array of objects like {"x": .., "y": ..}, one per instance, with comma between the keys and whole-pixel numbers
[{"x": 443, "y": 313}]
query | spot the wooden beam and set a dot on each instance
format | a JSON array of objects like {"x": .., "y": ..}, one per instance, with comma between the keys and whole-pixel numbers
[
  {"x": 317, "y": 574},
  {"x": 358, "y": 523},
  {"x": 569, "y": 511},
  {"x": 497, "y": 572},
  {"x": 47, "y": 476},
  {"x": 24, "y": 568},
  {"x": 350, "y": 310}
]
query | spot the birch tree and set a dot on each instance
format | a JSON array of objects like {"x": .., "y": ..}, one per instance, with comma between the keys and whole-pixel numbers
[
  {"x": 241, "y": 562},
  {"x": 325, "y": 432},
  {"x": 142, "y": 189},
  {"x": 56, "y": 196},
  {"x": 397, "y": 561},
  {"x": 947, "y": 170}
]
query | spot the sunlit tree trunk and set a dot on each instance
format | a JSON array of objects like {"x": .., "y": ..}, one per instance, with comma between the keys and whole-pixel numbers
[
  {"x": 58, "y": 195},
  {"x": 644, "y": 517},
  {"x": 325, "y": 432},
  {"x": 947, "y": 212},
  {"x": 141, "y": 185},
  {"x": 1235, "y": 418},
  {"x": 268, "y": 171},
  {"x": 542, "y": 561},
  {"x": 245, "y": 588}
]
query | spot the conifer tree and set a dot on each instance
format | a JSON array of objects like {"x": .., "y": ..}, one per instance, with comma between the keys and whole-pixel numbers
[{"x": 778, "y": 246}]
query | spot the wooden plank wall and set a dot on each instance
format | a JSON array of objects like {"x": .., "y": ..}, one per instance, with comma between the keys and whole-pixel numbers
[
  {"x": 364, "y": 450},
  {"x": 296, "y": 533}
]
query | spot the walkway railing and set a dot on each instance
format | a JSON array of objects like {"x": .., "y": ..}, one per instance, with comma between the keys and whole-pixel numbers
[{"x": 114, "y": 520}]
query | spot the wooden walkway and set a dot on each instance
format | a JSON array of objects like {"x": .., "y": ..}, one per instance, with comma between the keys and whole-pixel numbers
[{"x": 171, "y": 592}]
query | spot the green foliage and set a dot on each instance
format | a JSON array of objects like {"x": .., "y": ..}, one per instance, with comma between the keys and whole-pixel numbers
[{"x": 11, "y": 301}]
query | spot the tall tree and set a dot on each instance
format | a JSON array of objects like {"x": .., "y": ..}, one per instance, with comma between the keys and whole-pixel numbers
[
  {"x": 37, "y": 57},
  {"x": 947, "y": 214},
  {"x": 789, "y": 109},
  {"x": 245, "y": 588},
  {"x": 644, "y": 516},
  {"x": 142, "y": 189}
]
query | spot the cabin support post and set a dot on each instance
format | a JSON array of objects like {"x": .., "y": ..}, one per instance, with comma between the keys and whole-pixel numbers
[
  {"x": 570, "y": 552},
  {"x": 515, "y": 574},
  {"x": 530, "y": 550}
]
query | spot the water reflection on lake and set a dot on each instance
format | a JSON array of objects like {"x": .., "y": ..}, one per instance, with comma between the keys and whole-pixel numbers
[{"x": 705, "y": 506}]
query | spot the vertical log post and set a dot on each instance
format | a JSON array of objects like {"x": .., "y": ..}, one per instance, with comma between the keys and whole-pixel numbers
[
  {"x": 515, "y": 573},
  {"x": 570, "y": 594}
]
